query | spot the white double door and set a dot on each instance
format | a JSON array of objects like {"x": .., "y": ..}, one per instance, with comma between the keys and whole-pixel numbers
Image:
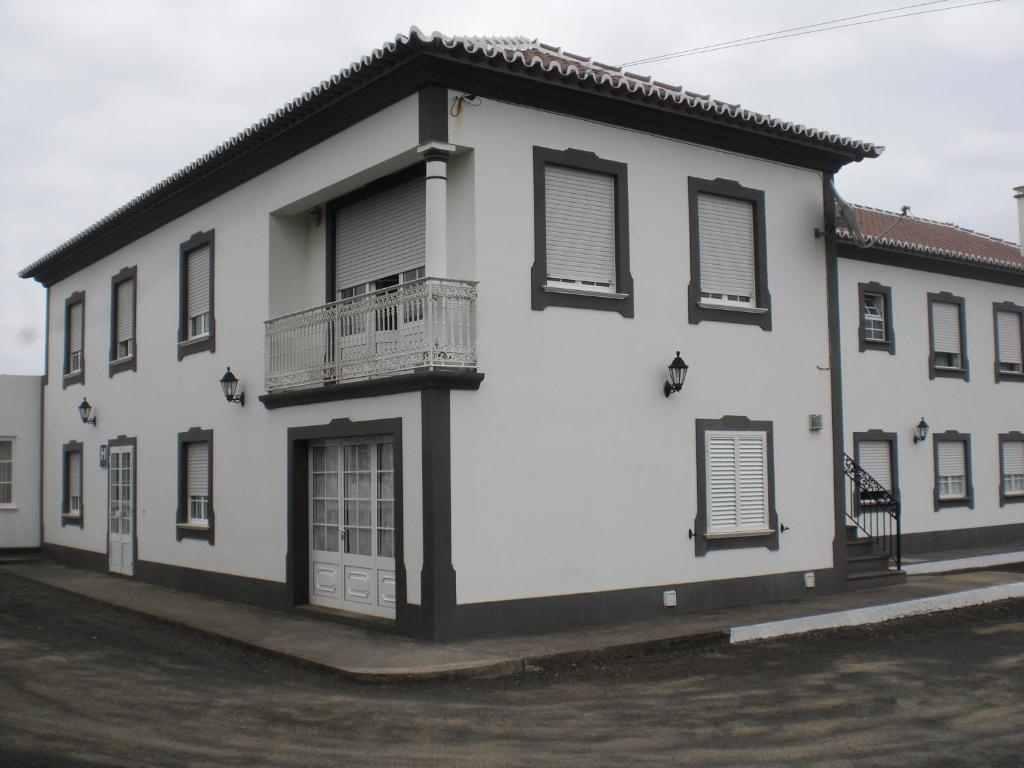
[
  {"x": 352, "y": 526},
  {"x": 120, "y": 508}
]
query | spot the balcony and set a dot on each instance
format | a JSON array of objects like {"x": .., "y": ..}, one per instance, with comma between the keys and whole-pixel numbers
[{"x": 417, "y": 327}]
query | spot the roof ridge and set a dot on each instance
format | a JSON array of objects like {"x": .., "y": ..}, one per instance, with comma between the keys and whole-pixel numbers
[{"x": 949, "y": 224}]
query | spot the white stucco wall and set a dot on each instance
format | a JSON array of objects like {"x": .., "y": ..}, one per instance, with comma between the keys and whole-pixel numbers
[
  {"x": 19, "y": 422},
  {"x": 893, "y": 392},
  {"x": 260, "y": 269},
  {"x": 571, "y": 472}
]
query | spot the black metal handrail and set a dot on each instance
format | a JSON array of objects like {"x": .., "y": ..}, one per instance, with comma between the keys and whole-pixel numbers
[{"x": 874, "y": 511}]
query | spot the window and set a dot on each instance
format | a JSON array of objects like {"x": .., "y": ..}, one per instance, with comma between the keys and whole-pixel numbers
[
  {"x": 1011, "y": 468},
  {"x": 728, "y": 263},
  {"x": 1008, "y": 343},
  {"x": 6, "y": 472},
  {"x": 735, "y": 502},
  {"x": 953, "y": 470},
  {"x": 196, "y": 320},
  {"x": 581, "y": 232},
  {"x": 875, "y": 452},
  {"x": 195, "y": 484},
  {"x": 74, "y": 339},
  {"x": 875, "y": 309},
  {"x": 122, "y": 321},
  {"x": 946, "y": 327},
  {"x": 73, "y": 507}
]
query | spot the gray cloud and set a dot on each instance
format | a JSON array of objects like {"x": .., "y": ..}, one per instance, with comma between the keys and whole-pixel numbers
[{"x": 99, "y": 100}]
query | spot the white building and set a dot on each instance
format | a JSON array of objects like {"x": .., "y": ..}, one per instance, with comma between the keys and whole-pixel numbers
[
  {"x": 449, "y": 282},
  {"x": 20, "y": 477}
]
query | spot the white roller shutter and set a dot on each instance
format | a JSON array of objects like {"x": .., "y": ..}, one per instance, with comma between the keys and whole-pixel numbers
[
  {"x": 1009, "y": 337},
  {"x": 946, "y": 327},
  {"x": 579, "y": 220},
  {"x": 74, "y": 474},
  {"x": 737, "y": 481},
  {"x": 380, "y": 236},
  {"x": 952, "y": 462},
  {"x": 198, "y": 267},
  {"x": 1013, "y": 458},
  {"x": 875, "y": 458},
  {"x": 125, "y": 310},
  {"x": 198, "y": 481},
  {"x": 725, "y": 230},
  {"x": 75, "y": 327}
]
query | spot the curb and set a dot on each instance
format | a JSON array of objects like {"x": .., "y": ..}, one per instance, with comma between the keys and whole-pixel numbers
[{"x": 964, "y": 563}]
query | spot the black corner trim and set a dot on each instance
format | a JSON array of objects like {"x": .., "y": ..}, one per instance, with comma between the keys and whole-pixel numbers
[
  {"x": 183, "y": 530},
  {"x": 945, "y": 297},
  {"x": 894, "y": 464},
  {"x": 73, "y": 378},
  {"x": 433, "y": 113},
  {"x": 586, "y": 161},
  {"x": 206, "y": 343},
  {"x": 734, "y": 190},
  {"x": 1004, "y": 438},
  {"x": 116, "y": 366},
  {"x": 952, "y": 436},
  {"x": 411, "y": 382},
  {"x": 889, "y": 345},
  {"x": 65, "y": 504},
  {"x": 1006, "y": 306},
  {"x": 701, "y": 544}
]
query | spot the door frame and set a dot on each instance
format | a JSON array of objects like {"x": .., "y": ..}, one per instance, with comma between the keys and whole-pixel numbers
[
  {"x": 121, "y": 441},
  {"x": 298, "y": 550}
]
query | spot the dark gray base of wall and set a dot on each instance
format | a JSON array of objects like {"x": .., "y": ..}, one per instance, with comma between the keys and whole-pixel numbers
[
  {"x": 963, "y": 538},
  {"x": 78, "y": 558},
  {"x": 19, "y": 550},
  {"x": 562, "y": 611},
  {"x": 240, "y": 589}
]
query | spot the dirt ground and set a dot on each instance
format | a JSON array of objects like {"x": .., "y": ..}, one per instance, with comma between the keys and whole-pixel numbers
[{"x": 85, "y": 684}]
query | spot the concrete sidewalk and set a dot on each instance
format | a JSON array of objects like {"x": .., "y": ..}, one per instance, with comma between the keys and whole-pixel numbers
[{"x": 364, "y": 654}]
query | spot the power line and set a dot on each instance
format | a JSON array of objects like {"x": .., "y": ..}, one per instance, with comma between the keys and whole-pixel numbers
[{"x": 809, "y": 29}]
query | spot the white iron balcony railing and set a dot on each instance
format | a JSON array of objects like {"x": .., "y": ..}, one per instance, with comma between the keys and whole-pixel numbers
[{"x": 421, "y": 325}]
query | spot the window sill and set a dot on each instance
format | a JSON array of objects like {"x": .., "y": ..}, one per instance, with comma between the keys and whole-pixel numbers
[
  {"x": 195, "y": 344},
  {"x": 8, "y": 508},
  {"x": 733, "y": 308},
  {"x": 740, "y": 534},
  {"x": 572, "y": 291},
  {"x": 193, "y": 527}
]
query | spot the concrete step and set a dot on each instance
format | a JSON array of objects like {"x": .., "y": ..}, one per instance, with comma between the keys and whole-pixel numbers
[
  {"x": 867, "y": 563},
  {"x": 872, "y": 579}
]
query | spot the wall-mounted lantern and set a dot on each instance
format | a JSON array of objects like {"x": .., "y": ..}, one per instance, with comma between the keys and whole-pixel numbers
[
  {"x": 676, "y": 375},
  {"x": 229, "y": 384},
  {"x": 85, "y": 411},
  {"x": 921, "y": 431}
]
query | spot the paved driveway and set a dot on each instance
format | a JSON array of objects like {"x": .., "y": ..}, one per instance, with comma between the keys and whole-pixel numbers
[{"x": 82, "y": 683}]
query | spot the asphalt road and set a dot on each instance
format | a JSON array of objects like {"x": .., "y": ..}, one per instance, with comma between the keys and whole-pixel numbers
[{"x": 85, "y": 684}]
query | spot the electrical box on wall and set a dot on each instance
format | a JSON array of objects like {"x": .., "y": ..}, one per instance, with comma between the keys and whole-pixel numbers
[
  {"x": 815, "y": 422},
  {"x": 668, "y": 598},
  {"x": 103, "y": 456},
  {"x": 809, "y": 579}
]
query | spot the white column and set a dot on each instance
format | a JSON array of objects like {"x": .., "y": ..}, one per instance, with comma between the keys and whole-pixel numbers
[{"x": 435, "y": 155}]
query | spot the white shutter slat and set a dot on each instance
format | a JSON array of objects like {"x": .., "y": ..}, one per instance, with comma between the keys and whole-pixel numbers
[
  {"x": 75, "y": 327},
  {"x": 198, "y": 464},
  {"x": 726, "y": 235},
  {"x": 737, "y": 481},
  {"x": 1013, "y": 458},
  {"x": 946, "y": 327},
  {"x": 721, "y": 477},
  {"x": 380, "y": 236},
  {"x": 580, "y": 225},
  {"x": 74, "y": 474},
  {"x": 952, "y": 462},
  {"x": 875, "y": 458},
  {"x": 125, "y": 310},
  {"x": 198, "y": 278},
  {"x": 1009, "y": 337},
  {"x": 752, "y": 481}
]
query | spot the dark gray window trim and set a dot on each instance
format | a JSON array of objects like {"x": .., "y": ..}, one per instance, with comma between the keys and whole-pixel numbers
[
  {"x": 184, "y": 530},
  {"x": 119, "y": 442},
  {"x": 1006, "y": 306},
  {"x": 1008, "y": 437},
  {"x": 128, "y": 364},
  {"x": 701, "y": 544},
  {"x": 894, "y": 463},
  {"x": 585, "y": 161},
  {"x": 65, "y": 503},
  {"x": 945, "y": 373},
  {"x": 207, "y": 344},
  {"x": 76, "y": 378},
  {"x": 698, "y": 313},
  {"x": 889, "y": 345},
  {"x": 952, "y": 436}
]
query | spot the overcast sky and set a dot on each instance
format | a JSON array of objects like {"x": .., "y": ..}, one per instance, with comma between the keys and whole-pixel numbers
[{"x": 101, "y": 99}]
